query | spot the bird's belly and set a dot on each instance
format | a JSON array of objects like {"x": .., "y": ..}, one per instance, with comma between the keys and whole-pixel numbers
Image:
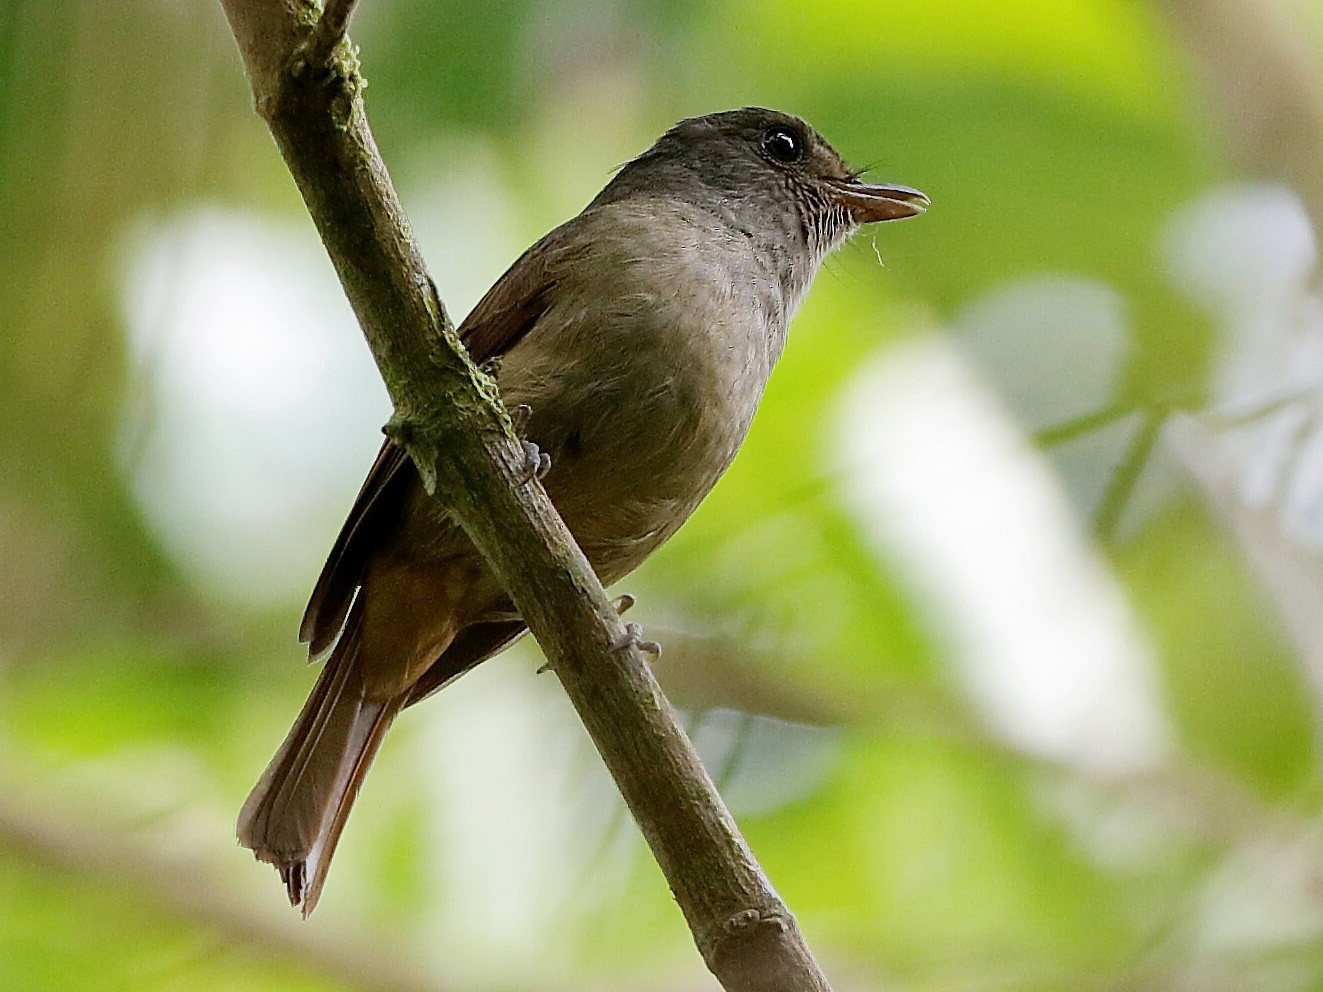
[{"x": 639, "y": 429}]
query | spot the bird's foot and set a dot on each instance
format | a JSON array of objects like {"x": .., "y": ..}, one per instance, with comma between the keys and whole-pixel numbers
[
  {"x": 537, "y": 463},
  {"x": 633, "y": 637},
  {"x": 633, "y": 634}
]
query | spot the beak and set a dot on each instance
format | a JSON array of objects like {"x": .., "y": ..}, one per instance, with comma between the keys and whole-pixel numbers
[{"x": 869, "y": 203}]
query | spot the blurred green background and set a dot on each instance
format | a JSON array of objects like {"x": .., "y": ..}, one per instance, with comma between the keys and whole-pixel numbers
[{"x": 1003, "y": 636}]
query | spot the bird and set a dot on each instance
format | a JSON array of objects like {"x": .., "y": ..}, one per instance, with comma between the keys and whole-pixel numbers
[{"x": 637, "y": 339}]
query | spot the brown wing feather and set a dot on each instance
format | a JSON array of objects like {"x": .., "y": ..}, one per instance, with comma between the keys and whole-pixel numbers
[
  {"x": 519, "y": 298},
  {"x": 471, "y": 646},
  {"x": 511, "y": 308},
  {"x": 378, "y": 502}
]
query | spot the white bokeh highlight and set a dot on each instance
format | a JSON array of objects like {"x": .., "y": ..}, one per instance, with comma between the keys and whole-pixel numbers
[
  {"x": 1248, "y": 255},
  {"x": 259, "y": 404},
  {"x": 257, "y": 408},
  {"x": 1040, "y": 633}
]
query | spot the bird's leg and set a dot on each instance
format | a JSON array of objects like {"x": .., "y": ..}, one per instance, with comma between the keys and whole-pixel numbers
[
  {"x": 633, "y": 633},
  {"x": 537, "y": 463}
]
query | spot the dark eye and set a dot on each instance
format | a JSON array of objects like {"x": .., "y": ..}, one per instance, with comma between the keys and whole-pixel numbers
[{"x": 783, "y": 145}]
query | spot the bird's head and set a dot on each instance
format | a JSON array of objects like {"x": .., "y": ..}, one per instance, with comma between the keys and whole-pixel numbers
[{"x": 754, "y": 162}]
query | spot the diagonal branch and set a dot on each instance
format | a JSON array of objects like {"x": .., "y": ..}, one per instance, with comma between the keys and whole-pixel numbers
[{"x": 449, "y": 418}]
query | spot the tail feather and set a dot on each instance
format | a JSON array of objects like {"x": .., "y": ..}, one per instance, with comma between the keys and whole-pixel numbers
[{"x": 295, "y": 814}]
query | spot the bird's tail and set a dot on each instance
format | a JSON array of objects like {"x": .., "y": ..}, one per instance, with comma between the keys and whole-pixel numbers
[{"x": 295, "y": 813}]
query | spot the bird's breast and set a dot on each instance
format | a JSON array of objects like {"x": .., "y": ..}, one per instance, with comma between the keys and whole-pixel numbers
[{"x": 643, "y": 377}]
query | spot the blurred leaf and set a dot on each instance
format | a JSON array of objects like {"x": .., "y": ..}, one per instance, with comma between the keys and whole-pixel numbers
[
  {"x": 1236, "y": 697},
  {"x": 60, "y": 932},
  {"x": 933, "y": 860}
]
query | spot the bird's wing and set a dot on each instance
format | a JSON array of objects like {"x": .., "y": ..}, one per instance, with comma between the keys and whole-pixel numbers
[
  {"x": 474, "y": 644},
  {"x": 380, "y": 502},
  {"x": 510, "y": 310}
]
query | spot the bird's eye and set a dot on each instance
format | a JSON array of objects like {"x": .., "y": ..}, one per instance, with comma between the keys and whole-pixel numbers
[{"x": 783, "y": 145}]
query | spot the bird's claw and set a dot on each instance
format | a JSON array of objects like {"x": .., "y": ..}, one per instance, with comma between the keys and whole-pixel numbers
[
  {"x": 537, "y": 463},
  {"x": 633, "y": 636}
]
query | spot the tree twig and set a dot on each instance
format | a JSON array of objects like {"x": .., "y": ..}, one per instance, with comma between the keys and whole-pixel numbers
[
  {"x": 1121, "y": 486},
  {"x": 449, "y": 418},
  {"x": 329, "y": 30}
]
